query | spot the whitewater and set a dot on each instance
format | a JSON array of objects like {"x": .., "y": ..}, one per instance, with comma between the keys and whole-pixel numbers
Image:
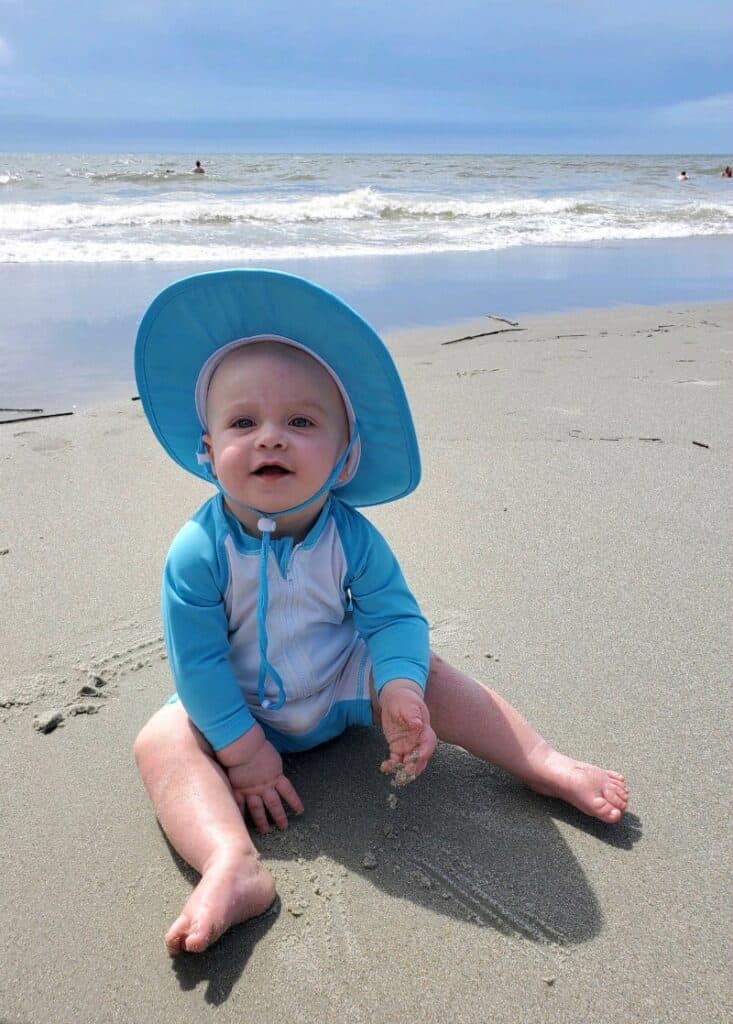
[{"x": 95, "y": 208}]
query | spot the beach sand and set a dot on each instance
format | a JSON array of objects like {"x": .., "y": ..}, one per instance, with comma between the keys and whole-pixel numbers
[{"x": 570, "y": 544}]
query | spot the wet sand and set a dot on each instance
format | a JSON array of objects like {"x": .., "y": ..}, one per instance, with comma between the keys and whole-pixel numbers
[
  {"x": 68, "y": 329},
  {"x": 570, "y": 544}
]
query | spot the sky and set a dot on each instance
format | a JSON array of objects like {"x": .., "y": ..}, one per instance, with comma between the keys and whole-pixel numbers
[{"x": 471, "y": 76}]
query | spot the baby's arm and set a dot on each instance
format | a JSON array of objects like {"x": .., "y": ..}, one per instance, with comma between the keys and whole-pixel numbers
[
  {"x": 197, "y": 638},
  {"x": 406, "y": 727},
  {"x": 388, "y": 617},
  {"x": 255, "y": 771}
]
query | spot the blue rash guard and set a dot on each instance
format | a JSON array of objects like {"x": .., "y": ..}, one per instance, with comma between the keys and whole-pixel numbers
[{"x": 336, "y": 591}]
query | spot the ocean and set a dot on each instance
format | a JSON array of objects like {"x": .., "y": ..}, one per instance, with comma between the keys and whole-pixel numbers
[
  {"x": 86, "y": 241},
  {"x": 60, "y": 208}
]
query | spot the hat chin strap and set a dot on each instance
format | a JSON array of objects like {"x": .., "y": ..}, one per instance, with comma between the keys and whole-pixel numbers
[{"x": 267, "y": 525}]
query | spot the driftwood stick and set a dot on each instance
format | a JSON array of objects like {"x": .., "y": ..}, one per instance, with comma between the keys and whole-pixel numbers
[
  {"x": 503, "y": 319},
  {"x": 11, "y": 408},
  {"x": 484, "y": 334},
  {"x": 45, "y": 416}
]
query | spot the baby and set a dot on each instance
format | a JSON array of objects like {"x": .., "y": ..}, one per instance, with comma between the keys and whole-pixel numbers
[{"x": 286, "y": 615}]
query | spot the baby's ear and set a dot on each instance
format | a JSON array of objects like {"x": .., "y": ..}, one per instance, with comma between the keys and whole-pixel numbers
[
  {"x": 209, "y": 449},
  {"x": 347, "y": 471},
  {"x": 351, "y": 465}
]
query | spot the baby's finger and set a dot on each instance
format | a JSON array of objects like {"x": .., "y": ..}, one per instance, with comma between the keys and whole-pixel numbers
[
  {"x": 405, "y": 750},
  {"x": 287, "y": 791},
  {"x": 257, "y": 812},
  {"x": 426, "y": 749},
  {"x": 403, "y": 770},
  {"x": 273, "y": 803},
  {"x": 414, "y": 763}
]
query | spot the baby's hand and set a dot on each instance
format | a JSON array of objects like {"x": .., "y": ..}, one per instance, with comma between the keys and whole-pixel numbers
[
  {"x": 406, "y": 727},
  {"x": 259, "y": 785}
]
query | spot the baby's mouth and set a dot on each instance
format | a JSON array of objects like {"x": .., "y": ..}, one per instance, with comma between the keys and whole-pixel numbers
[{"x": 271, "y": 470}]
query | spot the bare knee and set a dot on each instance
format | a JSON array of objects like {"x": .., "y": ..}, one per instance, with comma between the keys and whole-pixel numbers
[
  {"x": 169, "y": 733},
  {"x": 147, "y": 742}
]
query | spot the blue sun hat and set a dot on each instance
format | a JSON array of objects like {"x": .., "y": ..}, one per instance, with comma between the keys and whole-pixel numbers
[
  {"x": 193, "y": 319},
  {"x": 193, "y": 324}
]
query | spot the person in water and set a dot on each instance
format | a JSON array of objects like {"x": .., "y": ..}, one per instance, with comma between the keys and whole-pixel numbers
[
  {"x": 286, "y": 615},
  {"x": 198, "y": 169}
]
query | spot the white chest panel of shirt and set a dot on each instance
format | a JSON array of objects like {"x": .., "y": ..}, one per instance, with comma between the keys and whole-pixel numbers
[{"x": 310, "y": 636}]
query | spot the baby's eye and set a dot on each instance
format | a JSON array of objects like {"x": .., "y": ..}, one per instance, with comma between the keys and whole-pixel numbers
[
  {"x": 243, "y": 423},
  {"x": 300, "y": 421}
]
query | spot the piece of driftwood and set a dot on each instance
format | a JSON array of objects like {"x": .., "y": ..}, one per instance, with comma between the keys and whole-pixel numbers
[
  {"x": 43, "y": 416},
  {"x": 503, "y": 319},
  {"x": 701, "y": 444},
  {"x": 484, "y": 334},
  {"x": 10, "y": 408}
]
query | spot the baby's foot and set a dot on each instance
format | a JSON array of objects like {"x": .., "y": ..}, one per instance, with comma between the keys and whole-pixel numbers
[
  {"x": 232, "y": 889},
  {"x": 593, "y": 790}
]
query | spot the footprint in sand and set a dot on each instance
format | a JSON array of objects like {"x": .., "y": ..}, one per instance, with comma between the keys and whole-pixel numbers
[{"x": 51, "y": 444}]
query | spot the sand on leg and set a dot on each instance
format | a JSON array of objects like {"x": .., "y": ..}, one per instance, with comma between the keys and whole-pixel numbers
[
  {"x": 470, "y": 715},
  {"x": 194, "y": 804}
]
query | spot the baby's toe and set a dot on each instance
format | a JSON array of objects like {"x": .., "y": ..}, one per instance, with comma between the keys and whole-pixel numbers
[
  {"x": 605, "y": 810},
  {"x": 618, "y": 797},
  {"x": 176, "y": 935},
  {"x": 199, "y": 939}
]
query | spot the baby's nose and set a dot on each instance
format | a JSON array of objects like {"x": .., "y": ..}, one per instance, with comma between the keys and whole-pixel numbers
[{"x": 270, "y": 435}]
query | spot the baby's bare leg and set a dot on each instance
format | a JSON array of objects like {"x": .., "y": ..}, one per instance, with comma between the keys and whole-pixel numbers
[
  {"x": 472, "y": 716},
  {"x": 194, "y": 804}
]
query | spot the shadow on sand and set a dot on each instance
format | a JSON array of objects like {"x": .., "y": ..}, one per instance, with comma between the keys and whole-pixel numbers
[{"x": 466, "y": 841}]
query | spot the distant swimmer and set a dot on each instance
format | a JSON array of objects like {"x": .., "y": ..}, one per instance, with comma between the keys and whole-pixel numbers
[
  {"x": 682, "y": 176},
  {"x": 198, "y": 169},
  {"x": 727, "y": 173}
]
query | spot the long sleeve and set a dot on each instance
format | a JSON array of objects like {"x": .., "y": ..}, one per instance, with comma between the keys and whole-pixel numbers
[
  {"x": 196, "y": 633},
  {"x": 385, "y": 612}
]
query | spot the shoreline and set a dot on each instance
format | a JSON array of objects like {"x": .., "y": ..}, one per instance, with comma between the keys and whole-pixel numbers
[
  {"x": 569, "y": 544},
  {"x": 82, "y": 318}
]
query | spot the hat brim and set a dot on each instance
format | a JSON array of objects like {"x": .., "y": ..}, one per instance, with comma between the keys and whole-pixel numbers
[{"x": 194, "y": 317}]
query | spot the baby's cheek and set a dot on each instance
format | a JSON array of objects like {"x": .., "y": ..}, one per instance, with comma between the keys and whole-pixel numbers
[{"x": 231, "y": 464}]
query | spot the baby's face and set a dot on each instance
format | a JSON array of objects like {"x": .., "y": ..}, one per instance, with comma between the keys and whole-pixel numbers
[{"x": 276, "y": 428}]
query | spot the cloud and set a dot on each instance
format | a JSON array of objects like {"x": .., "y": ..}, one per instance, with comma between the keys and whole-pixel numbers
[{"x": 710, "y": 110}]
